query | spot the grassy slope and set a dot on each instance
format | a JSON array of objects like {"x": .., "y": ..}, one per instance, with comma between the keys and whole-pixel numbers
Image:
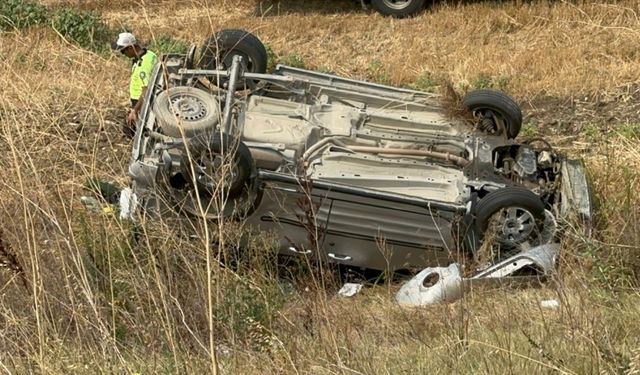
[{"x": 81, "y": 298}]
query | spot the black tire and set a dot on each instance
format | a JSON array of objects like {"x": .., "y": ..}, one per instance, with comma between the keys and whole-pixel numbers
[
  {"x": 398, "y": 8},
  {"x": 500, "y": 104},
  {"x": 203, "y": 148},
  {"x": 191, "y": 56},
  {"x": 185, "y": 109},
  {"x": 218, "y": 50},
  {"x": 511, "y": 199}
]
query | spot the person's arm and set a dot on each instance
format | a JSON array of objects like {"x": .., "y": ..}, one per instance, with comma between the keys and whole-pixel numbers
[{"x": 135, "y": 111}]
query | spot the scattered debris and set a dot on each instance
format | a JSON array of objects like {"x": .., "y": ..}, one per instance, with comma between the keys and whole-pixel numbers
[
  {"x": 349, "y": 290},
  {"x": 91, "y": 203},
  {"x": 94, "y": 205},
  {"x": 550, "y": 304},
  {"x": 224, "y": 350},
  {"x": 445, "y": 284},
  {"x": 128, "y": 203},
  {"x": 539, "y": 260}
]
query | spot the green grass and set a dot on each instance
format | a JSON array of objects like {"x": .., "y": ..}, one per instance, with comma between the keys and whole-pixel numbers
[
  {"x": 165, "y": 44},
  {"x": 292, "y": 59},
  {"x": 425, "y": 82}
]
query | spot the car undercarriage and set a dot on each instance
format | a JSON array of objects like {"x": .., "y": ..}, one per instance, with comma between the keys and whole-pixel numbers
[{"x": 351, "y": 172}]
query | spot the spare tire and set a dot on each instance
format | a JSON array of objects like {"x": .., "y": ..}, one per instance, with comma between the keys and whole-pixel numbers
[
  {"x": 496, "y": 105},
  {"x": 186, "y": 110},
  {"x": 217, "y": 160},
  {"x": 219, "y": 48},
  {"x": 398, "y": 8}
]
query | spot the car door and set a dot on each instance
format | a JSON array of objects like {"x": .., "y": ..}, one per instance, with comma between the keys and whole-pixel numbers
[
  {"x": 297, "y": 215},
  {"x": 387, "y": 235},
  {"x": 355, "y": 226}
]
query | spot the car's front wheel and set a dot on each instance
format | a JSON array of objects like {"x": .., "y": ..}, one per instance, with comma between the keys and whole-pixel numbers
[
  {"x": 510, "y": 218},
  {"x": 398, "y": 8}
]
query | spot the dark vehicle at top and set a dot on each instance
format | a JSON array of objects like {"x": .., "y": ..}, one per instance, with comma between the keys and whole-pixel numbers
[{"x": 398, "y": 8}]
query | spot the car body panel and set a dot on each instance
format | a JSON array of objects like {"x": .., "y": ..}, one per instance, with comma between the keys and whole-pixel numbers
[{"x": 355, "y": 227}]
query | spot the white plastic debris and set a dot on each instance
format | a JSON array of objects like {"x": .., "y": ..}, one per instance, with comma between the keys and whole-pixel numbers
[
  {"x": 550, "y": 304},
  {"x": 349, "y": 290},
  {"x": 128, "y": 203},
  {"x": 432, "y": 285}
]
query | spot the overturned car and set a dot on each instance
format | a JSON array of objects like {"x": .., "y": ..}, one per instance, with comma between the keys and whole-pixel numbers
[{"x": 351, "y": 172}]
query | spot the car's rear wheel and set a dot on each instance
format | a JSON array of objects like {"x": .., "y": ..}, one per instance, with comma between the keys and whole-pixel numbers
[
  {"x": 185, "y": 111},
  {"x": 497, "y": 113},
  {"x": 217, "y": 164},
  {"x": 510, "y": 217},
  {"x": 219, "y": 48},
  {"x": 215, "y": 179},
  {"x": 398, "y": 8}
]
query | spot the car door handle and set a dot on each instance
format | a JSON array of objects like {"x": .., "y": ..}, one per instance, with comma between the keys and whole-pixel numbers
[
  {"x": 339, "y": 257},
  {"x": 295, "y": 250}
]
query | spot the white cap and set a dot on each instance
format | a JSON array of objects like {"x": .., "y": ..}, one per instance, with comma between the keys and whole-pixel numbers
[{"x": 124, "y": 40}]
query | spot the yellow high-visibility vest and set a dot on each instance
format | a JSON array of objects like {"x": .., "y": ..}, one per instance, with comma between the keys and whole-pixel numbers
[{"x": 141, "y": 72}]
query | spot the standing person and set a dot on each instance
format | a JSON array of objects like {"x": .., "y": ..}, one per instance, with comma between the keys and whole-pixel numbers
[{"x": 143, "y": 61}]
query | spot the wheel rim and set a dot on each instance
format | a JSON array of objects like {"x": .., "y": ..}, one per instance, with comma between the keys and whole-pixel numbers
[
  {"x": 397, "y": 4},
  {"x": 188, "y": 108},
  {"x": 514, "y": 226}
]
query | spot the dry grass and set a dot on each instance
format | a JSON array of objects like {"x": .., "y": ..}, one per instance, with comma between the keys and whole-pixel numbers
[
  {"x": 79, "y": 295},
  {"x": 541, "y": 48}
]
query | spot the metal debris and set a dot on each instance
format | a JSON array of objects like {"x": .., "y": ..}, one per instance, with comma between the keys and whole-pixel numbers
[{"x": 445, "y": 284}]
